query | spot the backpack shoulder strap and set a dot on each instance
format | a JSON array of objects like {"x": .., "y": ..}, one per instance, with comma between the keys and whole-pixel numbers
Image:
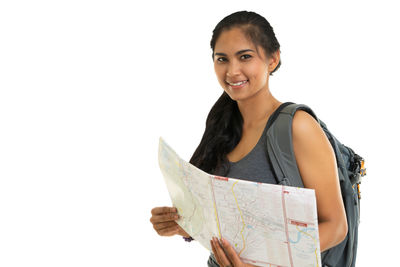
[{"x": 280, "y": 145}]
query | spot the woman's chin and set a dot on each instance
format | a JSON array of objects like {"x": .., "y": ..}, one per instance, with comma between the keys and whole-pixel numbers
[{"x": 237, "y": 97}]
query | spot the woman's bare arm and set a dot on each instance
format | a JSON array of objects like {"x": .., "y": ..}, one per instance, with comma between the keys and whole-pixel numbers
[{"x": 317, "y": 165}]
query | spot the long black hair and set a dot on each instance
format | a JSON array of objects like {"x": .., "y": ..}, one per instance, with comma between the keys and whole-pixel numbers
[{"x": 224, "y": 121}]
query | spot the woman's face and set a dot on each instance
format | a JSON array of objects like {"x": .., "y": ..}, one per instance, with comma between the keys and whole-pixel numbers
[{"x": 241, "y": 72}]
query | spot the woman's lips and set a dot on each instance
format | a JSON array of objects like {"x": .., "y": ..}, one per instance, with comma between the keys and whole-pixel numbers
[{"x": 238, "y": 86}]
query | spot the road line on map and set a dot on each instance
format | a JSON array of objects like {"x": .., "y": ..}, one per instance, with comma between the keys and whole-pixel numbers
[
  {"x": 215, "y": 208},
  {"x": 315, "y": 241},
  {"x": 241, "y": 215},
  {"x": 286, "y": 225}
]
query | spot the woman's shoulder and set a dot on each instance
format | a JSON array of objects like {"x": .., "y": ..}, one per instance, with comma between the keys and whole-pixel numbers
[
  {"x": 304, "y": 123},
  {"x": 313, "y": 151}
]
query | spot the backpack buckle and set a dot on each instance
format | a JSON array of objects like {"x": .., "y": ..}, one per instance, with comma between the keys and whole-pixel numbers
[
  {"x": 363, "y": 170},
  {"x": 357, "y": 169},
  {"x": 358, "y": 190}
]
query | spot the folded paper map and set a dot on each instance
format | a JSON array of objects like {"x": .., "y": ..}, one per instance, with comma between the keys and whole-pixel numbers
[{"x": 267, "y": 224}]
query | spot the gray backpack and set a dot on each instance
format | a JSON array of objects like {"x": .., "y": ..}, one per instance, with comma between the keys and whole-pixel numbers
[{"x": 350, "y": 170}]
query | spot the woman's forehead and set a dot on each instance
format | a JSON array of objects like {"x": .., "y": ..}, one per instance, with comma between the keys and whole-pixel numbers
[
  {"x": 233, "y": 42},
  {"x": 233, "y": 39}
]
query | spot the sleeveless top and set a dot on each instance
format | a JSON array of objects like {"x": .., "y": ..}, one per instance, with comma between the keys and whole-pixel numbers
[{"x": 254, "y": 167}]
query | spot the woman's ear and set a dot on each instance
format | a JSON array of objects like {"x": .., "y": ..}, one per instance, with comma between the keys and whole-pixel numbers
[{"x": 273, "y": 60}]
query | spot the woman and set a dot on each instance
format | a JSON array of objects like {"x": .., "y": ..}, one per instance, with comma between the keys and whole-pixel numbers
[{"x": 245, "y": 53}]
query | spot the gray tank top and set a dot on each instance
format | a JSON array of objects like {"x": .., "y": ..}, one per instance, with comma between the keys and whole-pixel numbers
[
  {"x": 255, "y": 165},
  {"x": 252, "y": 167}
]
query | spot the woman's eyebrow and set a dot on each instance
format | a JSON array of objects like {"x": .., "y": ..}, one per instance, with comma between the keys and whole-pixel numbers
[{"x": 237, "y": 53}]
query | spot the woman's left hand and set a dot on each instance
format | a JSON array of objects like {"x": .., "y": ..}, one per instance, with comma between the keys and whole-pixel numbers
[{"x": 225, "y": 255}]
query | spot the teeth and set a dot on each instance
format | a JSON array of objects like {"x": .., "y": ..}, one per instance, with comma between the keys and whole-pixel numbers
[{"x": 238, "y": 83}]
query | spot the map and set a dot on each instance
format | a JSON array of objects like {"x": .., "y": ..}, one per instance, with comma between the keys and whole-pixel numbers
[{"x": 267, "y": 224}]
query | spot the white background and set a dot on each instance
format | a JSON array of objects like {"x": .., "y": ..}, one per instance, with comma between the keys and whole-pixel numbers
[{"x": 87, "y": 88}]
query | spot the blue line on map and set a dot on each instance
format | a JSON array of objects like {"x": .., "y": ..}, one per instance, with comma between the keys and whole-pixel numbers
[{"x": 299, "y": 235}]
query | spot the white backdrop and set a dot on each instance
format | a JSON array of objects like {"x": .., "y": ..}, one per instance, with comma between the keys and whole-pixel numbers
[{"x": 87, "y": 88}]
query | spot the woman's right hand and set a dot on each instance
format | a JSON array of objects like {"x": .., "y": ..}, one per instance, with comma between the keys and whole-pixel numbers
[{"x": 164, "y": 221}]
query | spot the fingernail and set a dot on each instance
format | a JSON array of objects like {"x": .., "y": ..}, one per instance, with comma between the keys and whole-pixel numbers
[{"x": 223, "y": 241}]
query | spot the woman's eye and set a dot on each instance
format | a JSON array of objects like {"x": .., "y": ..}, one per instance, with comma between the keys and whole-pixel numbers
[{"x": 222, "y": 59}]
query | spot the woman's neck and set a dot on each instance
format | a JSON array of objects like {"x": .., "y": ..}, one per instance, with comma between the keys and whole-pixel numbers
[{"x": 256, "y": 110}]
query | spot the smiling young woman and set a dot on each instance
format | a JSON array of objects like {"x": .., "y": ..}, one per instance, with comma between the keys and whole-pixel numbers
[
  {"x": 245, "y": 53},
  {"x": 242, "y": 68}
]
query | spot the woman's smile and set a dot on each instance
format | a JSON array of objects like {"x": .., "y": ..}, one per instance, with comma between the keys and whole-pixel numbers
[{"x": 237, "y": 85}]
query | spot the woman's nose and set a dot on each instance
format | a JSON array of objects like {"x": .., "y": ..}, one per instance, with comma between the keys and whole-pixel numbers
[{"x": 233, "y": 69}]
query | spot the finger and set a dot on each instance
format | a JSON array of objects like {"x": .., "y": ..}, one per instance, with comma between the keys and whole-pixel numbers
[
  {"x": 162, "y": 225},
  {"x": 216, "y": 255},
  {"x": 161, "y": 210},
  {"x": 231, "y": 253},
  {"x": 223, "y": 259},
  {"x": 164, "y": 218},
  {"x": 168, "y": 231}
]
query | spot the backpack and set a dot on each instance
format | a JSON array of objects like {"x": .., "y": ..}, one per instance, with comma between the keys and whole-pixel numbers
[{"x": 350, "y": 169}]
